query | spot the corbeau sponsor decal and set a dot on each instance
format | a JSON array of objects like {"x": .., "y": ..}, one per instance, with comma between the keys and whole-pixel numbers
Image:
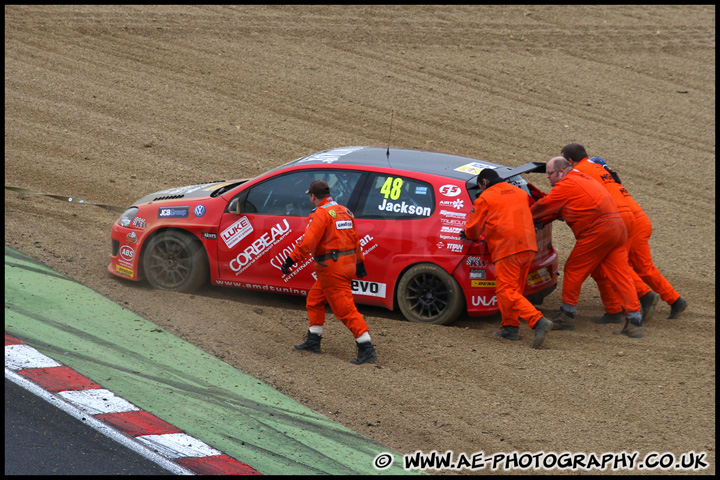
[
  {"x": 343, "y": 224},
  {"x": 450, "y": 190},
  {"x": 127, "y": 253},
  {"x": 173, "y": 212},
  {"x": 403, "y": 207},
  {"x": 236, "y": 232},
  {"x": 259, "y": 247},
  {"x": 371, "y": 289},
  {"x": 484, "y": 301}
]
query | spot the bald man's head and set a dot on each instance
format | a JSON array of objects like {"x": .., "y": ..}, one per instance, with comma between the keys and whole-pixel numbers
[{"x": 556, "y": 169}]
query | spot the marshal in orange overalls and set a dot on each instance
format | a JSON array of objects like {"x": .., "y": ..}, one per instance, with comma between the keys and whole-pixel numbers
[
  {"x": 643, "y": 269},
  {"x": 600, "y": 234},
  {"x": 502, "y": 214},
  {"x": 331, "y": 227}
]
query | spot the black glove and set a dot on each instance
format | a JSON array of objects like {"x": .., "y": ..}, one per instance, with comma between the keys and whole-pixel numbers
[
  {"x": 360, "y": 271},
  {"x": 462, "y": 235},
  {"x": 285, "y": 267}
]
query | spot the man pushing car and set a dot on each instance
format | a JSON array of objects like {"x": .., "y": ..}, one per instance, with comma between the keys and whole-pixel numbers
[{"x": 501, "y": 213}]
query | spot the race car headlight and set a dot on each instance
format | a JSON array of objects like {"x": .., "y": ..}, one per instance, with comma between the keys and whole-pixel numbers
[{"x": 126, "y": 218}]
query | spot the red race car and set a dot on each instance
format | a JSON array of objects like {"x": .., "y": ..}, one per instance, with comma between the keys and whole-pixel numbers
[{"x": 409, "y": 205}]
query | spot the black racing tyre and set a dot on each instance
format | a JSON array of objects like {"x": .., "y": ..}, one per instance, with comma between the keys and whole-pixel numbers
[
  {"x": 175, "y": 260},
  {"x": 428, "y": 294}
]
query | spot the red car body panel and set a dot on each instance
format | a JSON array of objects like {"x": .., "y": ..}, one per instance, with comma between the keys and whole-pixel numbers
[{"x": 245, "y": 250}]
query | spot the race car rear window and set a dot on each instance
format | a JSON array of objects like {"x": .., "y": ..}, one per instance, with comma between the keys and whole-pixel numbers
[
  {"x": 285, "y": 195},
  {"x": 395, "y": 197}
]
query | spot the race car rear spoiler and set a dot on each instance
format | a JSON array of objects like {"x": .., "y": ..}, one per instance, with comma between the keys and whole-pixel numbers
[
  {"x": 535, "y": 167},
  {"x": 507, "y": 172}
]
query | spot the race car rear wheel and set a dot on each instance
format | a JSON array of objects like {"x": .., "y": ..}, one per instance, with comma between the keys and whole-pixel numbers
[
  {"x": 175, "y": 260},
  {"x": 428, "y": 294}
]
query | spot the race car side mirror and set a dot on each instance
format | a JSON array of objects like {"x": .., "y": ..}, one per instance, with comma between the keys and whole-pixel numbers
[{"x": 234, "y": 206}]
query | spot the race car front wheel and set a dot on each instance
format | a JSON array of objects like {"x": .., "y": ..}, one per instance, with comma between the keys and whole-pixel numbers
[
  {"x": 175, "y": 260},
  {"x": 428, "y": 294}
]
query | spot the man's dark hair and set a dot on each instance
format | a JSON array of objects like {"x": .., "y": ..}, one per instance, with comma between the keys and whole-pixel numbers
[
  {"x": 574, "y": 152},
  {"x": 488, "y": 174},
  {"x": 319, "y": 188}
]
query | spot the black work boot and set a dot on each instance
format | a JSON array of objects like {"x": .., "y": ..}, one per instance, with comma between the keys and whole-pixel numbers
[
  {"x": 508, "y": 332},
  {"x": 609, "y": 318},
  {"x": 632, "y": 329},
  {"x": 541, "y": 328},
  {"x": 647, "y": 304},
  {"x": 366, "y": 353},
  {"x": 312, "y": 343},
  {"x": 678, "y": 307},
  {"x": 563, "y": 320}
]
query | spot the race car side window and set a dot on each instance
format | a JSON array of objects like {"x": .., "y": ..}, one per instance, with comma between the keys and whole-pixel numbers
[
  {"x": 394, "y": 197},
  {"x": 284, "y": 195}
]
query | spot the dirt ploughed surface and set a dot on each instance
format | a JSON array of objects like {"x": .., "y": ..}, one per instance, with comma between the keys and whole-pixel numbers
[{"x": 109, "y": 103}]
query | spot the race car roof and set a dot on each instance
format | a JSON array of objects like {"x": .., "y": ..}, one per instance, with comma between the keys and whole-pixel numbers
[{"x": 421, "y": 161}]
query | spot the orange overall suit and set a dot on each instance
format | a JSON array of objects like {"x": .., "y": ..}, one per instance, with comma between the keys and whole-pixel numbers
[
  {"x": 600, "y": 234},
  {"x": 502, "y": 214},
  {"x": 605, "y": 284},
  {"x": 643, "y": 269},
  {"x": 331, "y": 228}
]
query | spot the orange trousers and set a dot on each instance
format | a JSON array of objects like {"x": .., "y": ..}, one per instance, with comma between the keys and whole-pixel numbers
[
  {"x": 601, "y": 251},
  {"x": 643, "y": 270},
  {"x": 333, "y": 287},
  {"x": 511, "y": 274}
]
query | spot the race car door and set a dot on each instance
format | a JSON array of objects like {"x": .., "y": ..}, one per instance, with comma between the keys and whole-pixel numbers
[{"x": 273, "y": 216}]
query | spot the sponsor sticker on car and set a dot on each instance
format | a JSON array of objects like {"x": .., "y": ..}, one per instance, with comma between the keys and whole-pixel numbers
[
  {"x": 474, "y": 168},
  {"x": 123, "y": 270},
  {"x": 457, "y": 204},
  {"x": 450, "y": 190},
  {"x": 403, "y": 207},
  {"x": 539, "y": 276},
  {"x": 371, "y": 289},
  {"x": 478, "y": 274},
  {"x": 173, "y": 212},
  {"x": 127, "y": 253},
  {"x": 236, "y": 232}
]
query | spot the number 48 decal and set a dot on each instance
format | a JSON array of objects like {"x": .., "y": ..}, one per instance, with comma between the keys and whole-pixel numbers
[{"x": 392, "y": 188}]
